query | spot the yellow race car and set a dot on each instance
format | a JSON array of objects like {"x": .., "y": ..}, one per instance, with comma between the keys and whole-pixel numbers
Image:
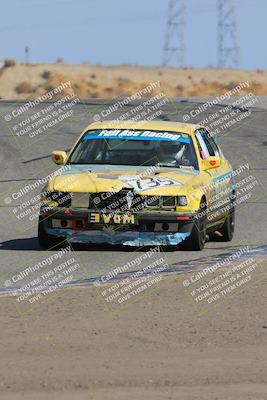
[{"x": 138, "y": 184}]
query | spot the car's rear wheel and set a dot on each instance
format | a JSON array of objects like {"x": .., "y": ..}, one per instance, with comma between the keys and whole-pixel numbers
[
  {"x": 228, "y": 228},
  {"x": 197, "y": 239}
]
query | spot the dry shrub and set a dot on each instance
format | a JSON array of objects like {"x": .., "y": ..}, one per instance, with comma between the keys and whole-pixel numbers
[
  {"x": 9, "y": 63},
  {"x": 258, "y": 89},
  {"x": 109, "y": 89},
  {"x": 24, "y": 87},
  {"x": 92, "y": 85},
  {"x": 94, "y": 95},
  {"x": 46, "y": 75},
  {"x": 55, "y": 80},
  {"x": 76, "y": 87},
  {"x": 179, "y": 90},
  {"x": 231, "y": 85},
  {"x": 122, "y": 82}
]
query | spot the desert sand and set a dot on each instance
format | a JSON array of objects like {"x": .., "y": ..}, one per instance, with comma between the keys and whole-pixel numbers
[{"x": 158, "y": 347}]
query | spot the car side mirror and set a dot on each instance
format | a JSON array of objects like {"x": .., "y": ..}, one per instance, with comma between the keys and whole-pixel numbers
[
  {"x": 211, "y": 162},
  {"x": 59, "y": 157}
]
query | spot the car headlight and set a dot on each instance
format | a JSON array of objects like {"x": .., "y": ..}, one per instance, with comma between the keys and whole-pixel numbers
[
  {"x": 168, "y": 201},
  {"x": 182, "y": 201}
]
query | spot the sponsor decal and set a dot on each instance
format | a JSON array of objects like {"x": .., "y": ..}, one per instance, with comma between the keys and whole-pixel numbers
[{"x": 135, "y": 135}]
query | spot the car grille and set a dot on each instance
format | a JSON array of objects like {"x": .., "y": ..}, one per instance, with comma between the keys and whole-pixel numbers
[{"x": 126, "y": 200}]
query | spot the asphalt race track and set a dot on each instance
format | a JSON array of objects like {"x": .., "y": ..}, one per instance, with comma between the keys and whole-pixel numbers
[{"x": 25, "y": 159}]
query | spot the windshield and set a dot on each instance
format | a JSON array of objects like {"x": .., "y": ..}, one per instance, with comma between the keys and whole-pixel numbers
[{"x": 136, "y": 148}]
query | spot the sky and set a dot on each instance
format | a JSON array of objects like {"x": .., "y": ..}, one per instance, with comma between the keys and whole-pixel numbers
[{"x": 124, "y": 31}]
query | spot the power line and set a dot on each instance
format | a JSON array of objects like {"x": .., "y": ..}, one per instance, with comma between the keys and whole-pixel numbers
[
  {"x": 174, "y": 47},
  {"x": 228, "y": 49}
]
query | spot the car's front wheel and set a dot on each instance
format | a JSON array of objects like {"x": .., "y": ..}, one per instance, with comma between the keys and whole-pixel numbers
[
  {"x": 197, "y": 238},
  {"x": 45, "y": 240}
]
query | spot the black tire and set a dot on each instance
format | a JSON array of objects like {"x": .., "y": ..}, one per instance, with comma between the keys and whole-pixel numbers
[
  {"x": 228, "y": 228},
  {"x": 45, "y": 240},
  {"x": 197, "y": 239}
]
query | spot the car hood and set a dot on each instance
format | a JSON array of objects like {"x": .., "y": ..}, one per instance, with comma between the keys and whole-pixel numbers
[{"x": 113, "y": 178}]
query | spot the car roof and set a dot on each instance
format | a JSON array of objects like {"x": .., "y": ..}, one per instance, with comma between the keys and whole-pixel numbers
[{"x": 180, "y": 127}]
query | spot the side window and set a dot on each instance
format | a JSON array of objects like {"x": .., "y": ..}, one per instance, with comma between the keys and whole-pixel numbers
[
  {"x": 209, "y": 142},
  {"x": 218, "y": 151},
  {"x": 203, "y": 150}
]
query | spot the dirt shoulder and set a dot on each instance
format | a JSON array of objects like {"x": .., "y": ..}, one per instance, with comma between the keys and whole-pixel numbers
[{"x": 158, "y": 347}]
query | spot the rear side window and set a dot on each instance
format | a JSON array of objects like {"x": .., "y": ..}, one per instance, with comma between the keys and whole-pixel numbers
[
  {"x": 203, "y": 151},
  {"x": 211, "y": 145},
  {"x": 206, "y": 143}
]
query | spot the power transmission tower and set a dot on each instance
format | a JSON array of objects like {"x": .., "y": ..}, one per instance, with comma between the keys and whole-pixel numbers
[
  {"x": 174, "y": 47},
  {"x": 228, "y": 49}
]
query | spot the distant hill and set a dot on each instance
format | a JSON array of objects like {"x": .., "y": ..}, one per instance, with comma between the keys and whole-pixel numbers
[{"x": 20, "y": 81}]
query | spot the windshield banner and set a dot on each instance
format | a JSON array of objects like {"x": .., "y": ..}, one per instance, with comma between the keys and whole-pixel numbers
[{"x": 135, "y": 135}]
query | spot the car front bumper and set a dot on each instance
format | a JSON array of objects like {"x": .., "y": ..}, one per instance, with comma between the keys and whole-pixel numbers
[{"x": 144, "y": 232}]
